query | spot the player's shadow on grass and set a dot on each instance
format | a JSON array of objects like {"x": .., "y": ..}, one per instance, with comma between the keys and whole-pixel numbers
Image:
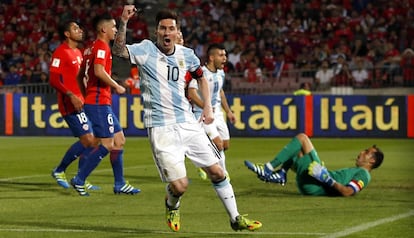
[
  {"x": 271, "y": 190},
  {"x": 12, "y": 186},
  {"x": 134, "y": 180}
]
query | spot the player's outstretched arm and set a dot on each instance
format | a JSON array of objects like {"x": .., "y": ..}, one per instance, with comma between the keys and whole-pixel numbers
[{"x": 119, "y": 47}]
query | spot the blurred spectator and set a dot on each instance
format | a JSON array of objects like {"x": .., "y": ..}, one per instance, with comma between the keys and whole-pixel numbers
[
  {"x": 268, "y": 61},
  {"x": 359, "y": 48},
  {"x": 12, "y": 78},
  {"x": 389, "y": 64},
  {"x": 280, "y": 67},
  {"x": 198, "y": 47},
  {"x": 407, "y": 65},
  {"x": 323, "y": 29},
  {"x": 324, "y": 76},
  {"x": 44, "y": 62},
  {"x": 44, "y": 77},
  {"x": 306, "y": 62},
  {"x": 234, "y": 55},
  {"x": 304, "y": 89},
  {"x": 343, "y": 77},
  {"x": 253, "y": 73},
  {"x": 139, "y": 29},
  {"x": 10, "y": 35},
  {"x": 338, "y": 63},
  {"x": 229, "y": 42},
  {"x": 27, "y": 77},
  {"x": 246, "y": 58},
  {"x": 360, "y": 74},
  {"x": 133, "y": 81}
]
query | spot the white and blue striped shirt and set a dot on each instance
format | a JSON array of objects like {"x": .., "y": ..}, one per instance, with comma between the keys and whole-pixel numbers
[
  {"x": 162, "y": 82},
  {"x": 215, "y": 84}
]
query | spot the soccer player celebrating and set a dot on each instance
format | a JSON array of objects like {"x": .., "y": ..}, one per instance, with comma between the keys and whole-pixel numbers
[
  {"x": 64, "y": 67},
  {"x": 95, "y": 71},
  {"x": 214, "y": 73},
  {"x": 172, "y": 128},
  {"x": 312, "y": 177}
]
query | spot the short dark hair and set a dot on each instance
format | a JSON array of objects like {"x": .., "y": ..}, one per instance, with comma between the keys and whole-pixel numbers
[
  {"x": 166, "y": 14},
  {"x": 379, "y": 157},
  {"x": 97, "y": 20},
  {"x": 65, "y": 26},
  {"x": 214, "y": 46}
]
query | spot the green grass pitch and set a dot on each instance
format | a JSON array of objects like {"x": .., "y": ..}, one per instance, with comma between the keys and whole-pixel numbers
[{"x": 33, "y": 205}]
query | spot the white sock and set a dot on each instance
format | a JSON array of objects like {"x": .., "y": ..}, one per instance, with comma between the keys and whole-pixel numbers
[
  {"x": 172, "y": 200},
  {"x": 269, "y": 166},
  {"x": 225, "y": 192}
]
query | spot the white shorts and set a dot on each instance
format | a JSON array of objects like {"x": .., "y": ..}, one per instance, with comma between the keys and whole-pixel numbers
[
  {"x": 171, "y": 144},
  {"x": 217, "y": 128}
]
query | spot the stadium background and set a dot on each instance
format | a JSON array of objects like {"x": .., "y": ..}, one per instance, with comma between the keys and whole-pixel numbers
[
  {"x": 34, "y": 206},
  {"x": 298, "y": 30}
]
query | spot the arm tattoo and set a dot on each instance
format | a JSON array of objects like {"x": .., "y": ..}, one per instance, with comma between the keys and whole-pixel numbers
[{"x": 119, "y": 46}]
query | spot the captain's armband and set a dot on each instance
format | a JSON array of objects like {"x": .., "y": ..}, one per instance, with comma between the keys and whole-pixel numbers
[{"x": 198, "y": 73}]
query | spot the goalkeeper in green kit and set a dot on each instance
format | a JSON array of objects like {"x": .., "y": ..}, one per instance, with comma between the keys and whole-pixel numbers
[{"x": 312, "y": 177}]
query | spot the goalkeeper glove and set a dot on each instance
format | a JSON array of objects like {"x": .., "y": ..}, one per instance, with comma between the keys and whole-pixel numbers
[{"x": 320, "y": 173}]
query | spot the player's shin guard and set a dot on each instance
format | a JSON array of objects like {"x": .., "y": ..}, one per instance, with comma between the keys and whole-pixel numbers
[
  {"x": 225, "y": 192},
  {"x": 117, "y": 163},
  {"x": 84, "y": 156},
  {"x": 92, "y": 162},
  {"x": 71, "y": 154},
  {"x": 173, "y": 200}
]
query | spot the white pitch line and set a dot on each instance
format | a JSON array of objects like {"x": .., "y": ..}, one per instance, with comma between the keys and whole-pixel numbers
[
  {"x": 368, "y": 225},
  {"x": 44, "y": 230},
  {"x": 17, "y": 230}
]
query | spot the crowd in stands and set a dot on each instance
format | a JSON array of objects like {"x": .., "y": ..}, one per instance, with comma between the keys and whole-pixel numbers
[
  {"x": 335, "y": 42},
  {"x": 265, "y": 40}
]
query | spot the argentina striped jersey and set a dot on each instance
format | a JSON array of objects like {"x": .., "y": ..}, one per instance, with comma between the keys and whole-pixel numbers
[
  {"x": 162, "y": 82},
  {"x": 215, "y": 84}
]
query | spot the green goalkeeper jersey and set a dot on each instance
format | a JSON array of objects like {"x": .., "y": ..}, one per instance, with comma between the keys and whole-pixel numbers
[{"x": 357, "y": 178}]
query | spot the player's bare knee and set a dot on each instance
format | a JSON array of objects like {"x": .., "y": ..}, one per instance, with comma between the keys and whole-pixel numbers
[
  {"x": 302, "y": 137},
  {"x": 179, "y": 187},
  {"x": 87, "y": 140},
  {"x": 215, "y": 173},
  {"x": 119, "y": 143},
  {"x": 109, "y": 145}
]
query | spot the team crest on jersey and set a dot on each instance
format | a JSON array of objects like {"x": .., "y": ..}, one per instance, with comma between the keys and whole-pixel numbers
[
  {"x": 100, "y": 54},
  {"x": 111, "y": 129},
  {"x": 181, "y": 63},
  {"x": 85, "y": 127},
  {"x": 56, "y": 62}
]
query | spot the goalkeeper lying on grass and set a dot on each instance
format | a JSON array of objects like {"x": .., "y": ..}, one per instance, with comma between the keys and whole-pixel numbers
[{"x": 312, "y": 177}]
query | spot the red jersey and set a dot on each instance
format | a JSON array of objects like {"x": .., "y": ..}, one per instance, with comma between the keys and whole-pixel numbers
[
  {"x": 63, "y": 70},
  {"x": 97, "y": 92}
]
